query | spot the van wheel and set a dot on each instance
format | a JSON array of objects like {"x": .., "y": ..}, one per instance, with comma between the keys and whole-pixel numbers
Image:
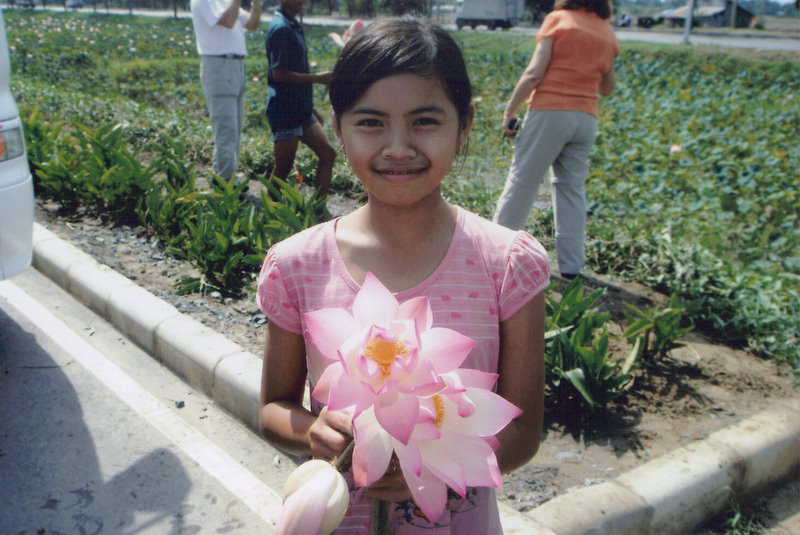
[
  {"x": 492, "y": 25},
  {"x": 459, "y": 23}
]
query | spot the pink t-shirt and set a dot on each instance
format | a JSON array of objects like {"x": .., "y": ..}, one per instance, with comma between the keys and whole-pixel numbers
[{"x": 488, "y": 273}]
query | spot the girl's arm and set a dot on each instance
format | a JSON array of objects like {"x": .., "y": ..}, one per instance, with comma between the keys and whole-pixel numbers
[
  {"x": 530, "y": 79},
  {"x": 521, "y": 382},
  {"x": 283, "y": 420}
]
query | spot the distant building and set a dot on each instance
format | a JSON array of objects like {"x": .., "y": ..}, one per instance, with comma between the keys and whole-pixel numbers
[{"x": 710, "y": 13}]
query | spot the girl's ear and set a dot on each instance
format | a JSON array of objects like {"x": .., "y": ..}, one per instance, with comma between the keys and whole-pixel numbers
[
  {"x": 465, "y": 129},
  {"x": 337, "y": 131}
]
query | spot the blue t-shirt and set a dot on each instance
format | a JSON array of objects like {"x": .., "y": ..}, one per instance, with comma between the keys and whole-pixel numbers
[{"x": 289, "y": 105}]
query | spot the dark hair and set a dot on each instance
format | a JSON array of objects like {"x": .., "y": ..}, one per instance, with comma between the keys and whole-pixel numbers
[
  {"x": 399, "y": 46},
  {"x": 601, "y": 8}
]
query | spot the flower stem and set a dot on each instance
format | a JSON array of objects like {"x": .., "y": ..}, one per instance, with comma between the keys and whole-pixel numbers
[
  {"x": 345, "y": 456},
  {"x": 380, "y": 517},
  {"x": 380, "y": 508}
]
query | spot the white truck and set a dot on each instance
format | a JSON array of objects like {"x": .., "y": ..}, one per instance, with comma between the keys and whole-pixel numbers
[
  {"x": 491, "y": 13},
  {"x": 16, "y": 184}
]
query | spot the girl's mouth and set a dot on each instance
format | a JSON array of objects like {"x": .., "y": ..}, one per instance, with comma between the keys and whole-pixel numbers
[
  {"x": 401, "y": 171},
  {"x": 400, "y": 175}
]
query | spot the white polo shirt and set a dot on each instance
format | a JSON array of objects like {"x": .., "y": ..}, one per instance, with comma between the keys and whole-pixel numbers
[{"x": 213, "y": 39}]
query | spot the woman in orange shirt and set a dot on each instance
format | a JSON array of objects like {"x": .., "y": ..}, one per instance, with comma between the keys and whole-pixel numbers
[{"x": 573, "y": 63}]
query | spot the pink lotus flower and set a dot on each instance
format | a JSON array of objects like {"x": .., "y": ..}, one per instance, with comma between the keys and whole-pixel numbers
[
  {"x": 383, "y": 356},
  {"x": 354, "y": 28},
  {"x": 452, "y": 445},
  {"x": 400, "y": 377},
  {"x": 315, "y": 500}
]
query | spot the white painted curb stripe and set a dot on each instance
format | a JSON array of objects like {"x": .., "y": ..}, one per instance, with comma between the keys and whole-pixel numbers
[{"x": 262, "y": 499}]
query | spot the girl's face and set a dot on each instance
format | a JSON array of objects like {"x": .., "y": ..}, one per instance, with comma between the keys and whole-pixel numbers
[{"x": 401, "y": 138}]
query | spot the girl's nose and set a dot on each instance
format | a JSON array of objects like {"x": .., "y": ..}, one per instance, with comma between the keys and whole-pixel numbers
[{"x": 399, "y": 145}]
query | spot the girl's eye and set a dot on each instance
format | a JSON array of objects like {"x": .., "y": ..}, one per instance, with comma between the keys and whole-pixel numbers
[
  {"x": 369, "y": 123},
  {"x": 427, "y": 121}
]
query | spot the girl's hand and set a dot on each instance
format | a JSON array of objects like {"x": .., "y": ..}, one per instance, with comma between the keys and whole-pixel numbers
[
  {"x": 330, "y": 434},
  {"x": 392, "y": 486}
]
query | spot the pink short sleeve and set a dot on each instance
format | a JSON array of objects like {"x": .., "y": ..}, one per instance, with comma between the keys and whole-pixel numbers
[
  {"x": 273, "y": 297},
  {"x": 527, "y": 274}
]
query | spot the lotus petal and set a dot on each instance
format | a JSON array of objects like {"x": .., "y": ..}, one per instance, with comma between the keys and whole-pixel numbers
[
  {"x": 419, "y": 310},
  {"x": 330, "y": 328},
  {"x": 397, "y": 413},
  {"x": 336, "y": 39},
  {"x": 374, "y": 304},
  {"x": 316, "y": 497},
  {"x": 373, "y": 449},
  {"x": 446, "y": 348},
  {"x": 492, "y": 413},
  {"x": 428, "y": 491}
]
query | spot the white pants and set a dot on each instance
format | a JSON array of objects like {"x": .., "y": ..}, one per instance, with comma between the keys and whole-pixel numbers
[
  {"x": 223, "y": 83},
  {"x": 561, "y": 140}
]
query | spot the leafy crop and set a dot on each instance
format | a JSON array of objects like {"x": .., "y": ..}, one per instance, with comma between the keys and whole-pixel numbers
[
  {"x": 220, "y": 234},
  {"x": 656, "y": 331},
  {"x": 578, "y": 367},
  {"x": 692, "y": 184}
]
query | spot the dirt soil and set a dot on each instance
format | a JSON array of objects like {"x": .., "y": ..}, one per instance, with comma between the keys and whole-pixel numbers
[{"x": 700, "y": 389}]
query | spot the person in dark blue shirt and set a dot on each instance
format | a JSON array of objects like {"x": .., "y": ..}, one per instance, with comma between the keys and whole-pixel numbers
[{"x": 290, "y": 107}]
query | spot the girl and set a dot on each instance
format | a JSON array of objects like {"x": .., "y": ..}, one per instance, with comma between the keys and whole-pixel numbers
[{"x": 401, "y": 107}]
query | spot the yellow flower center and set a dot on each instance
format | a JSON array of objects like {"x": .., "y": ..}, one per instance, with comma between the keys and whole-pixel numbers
[
  {"x": 438, "y": 404},
  {"x": 383, "y": 352}
]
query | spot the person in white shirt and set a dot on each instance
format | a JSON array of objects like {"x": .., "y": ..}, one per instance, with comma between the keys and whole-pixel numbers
[{"x": 219, "y": 27}]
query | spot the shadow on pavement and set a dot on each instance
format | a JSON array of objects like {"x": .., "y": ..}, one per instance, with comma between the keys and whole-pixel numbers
[{"x": 51, "y": 478}]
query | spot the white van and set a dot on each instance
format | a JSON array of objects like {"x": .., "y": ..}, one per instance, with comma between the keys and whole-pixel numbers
[
  {"x": 16, "y": 186},
  {"x": 492, "y": 13}
]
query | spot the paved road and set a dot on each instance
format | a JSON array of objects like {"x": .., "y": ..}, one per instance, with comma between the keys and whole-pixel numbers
[
  {"x": 763, "y": 43},
  {"x": 92, "y": 439},
  {"x": 698, "y": 37}
]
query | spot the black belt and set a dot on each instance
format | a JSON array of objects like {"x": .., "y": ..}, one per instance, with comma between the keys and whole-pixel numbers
[{"x": 230, "y": 56}]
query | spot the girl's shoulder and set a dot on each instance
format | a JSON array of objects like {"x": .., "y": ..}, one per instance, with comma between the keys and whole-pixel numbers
[
  {"x": 309, "y": 245},
  {"x": 499, "y": 246},
  {"x": 492, "y": 237},
  {"x": 295, "y": 272},
  {"x": 514, "y": 262}
]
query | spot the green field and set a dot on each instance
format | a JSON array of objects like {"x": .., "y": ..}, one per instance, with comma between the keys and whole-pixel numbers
[{"x": 693, "y": 185}]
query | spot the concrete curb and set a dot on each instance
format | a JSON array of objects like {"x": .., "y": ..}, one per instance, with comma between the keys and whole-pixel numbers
[
  {"x": 678, "y": 491},
  {"x": 671, "y": 494},
  {"x": 219, "y": 368}
]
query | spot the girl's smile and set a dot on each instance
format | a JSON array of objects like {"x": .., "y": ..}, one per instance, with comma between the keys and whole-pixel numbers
[{"x": 401, "y": 137}]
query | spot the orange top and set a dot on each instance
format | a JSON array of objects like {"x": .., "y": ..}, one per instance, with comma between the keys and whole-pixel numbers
[{"x": 584, "y": 46}]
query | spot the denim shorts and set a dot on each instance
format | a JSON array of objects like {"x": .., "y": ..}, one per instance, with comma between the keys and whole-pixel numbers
[{"x": 287, "y": 133}]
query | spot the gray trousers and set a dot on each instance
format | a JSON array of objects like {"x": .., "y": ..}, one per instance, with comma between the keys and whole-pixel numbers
[
  {"x": 561, "y": 140},
  {"x": 223, "y": 82}
]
